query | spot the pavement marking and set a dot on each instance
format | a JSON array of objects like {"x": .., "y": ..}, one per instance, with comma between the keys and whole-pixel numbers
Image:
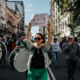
[
  {"x": 48, "y": 77},
  {"x": 51, "y": 73}
]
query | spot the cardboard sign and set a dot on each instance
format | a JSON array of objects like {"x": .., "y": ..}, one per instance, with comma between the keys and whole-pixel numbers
[{"x": 40, "y": 19}]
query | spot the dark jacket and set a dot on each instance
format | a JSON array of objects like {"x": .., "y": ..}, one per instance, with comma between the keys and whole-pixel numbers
[{"x": 72, "y": 51}]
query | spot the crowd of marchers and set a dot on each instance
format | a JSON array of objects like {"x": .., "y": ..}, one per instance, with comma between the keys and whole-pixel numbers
[{"x": 70, "y": 46}]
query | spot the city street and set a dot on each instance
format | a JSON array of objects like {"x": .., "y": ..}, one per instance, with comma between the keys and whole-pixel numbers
[
  {"x": 31, "y": 30},
  {"x": 59, "y": 73}
]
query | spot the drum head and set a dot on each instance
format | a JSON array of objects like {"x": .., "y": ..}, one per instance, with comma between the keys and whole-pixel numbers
[
  {"x": 3, "y": 50},
  {"x": 20, "y": 59},
  {"x": 0, "y": 52}
]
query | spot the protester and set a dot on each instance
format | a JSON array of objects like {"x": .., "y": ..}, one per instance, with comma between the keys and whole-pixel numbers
[
  {"x": 39, "y": 57},
  {"x": 39, "y": 60},
  {"x": 72, "y": 55},
  {"x": 61, "y": 44},
  {"x": 13, "y": 44},
  {"x": 55, "y": 52},
  {"x": 79, "y": 41}
]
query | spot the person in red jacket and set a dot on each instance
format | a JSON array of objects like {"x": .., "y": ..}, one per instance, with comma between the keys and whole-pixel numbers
[{"x": 13, "y": 44}]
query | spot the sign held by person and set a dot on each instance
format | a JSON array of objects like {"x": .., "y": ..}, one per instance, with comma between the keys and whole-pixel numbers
[{"x": 40, "y": 19}]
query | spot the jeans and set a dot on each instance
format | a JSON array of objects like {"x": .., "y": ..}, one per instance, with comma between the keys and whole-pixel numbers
[{"x": 55, "y": 57}]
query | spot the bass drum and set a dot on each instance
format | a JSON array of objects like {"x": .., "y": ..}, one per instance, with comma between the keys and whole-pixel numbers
[
  {"x": 18, "y": 59},
  {"x": 3, "y": 50}
]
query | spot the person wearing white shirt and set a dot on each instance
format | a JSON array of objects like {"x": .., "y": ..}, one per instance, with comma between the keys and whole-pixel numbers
[{"x": 55, "y": 51}]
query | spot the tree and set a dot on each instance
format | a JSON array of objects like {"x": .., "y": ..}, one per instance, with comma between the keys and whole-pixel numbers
[
  {"x": 72, "y": 27},
  {"x": 72, "y": 6},
  {"x": 64, "y": 5},
  {"x": 76, "y": 12}
]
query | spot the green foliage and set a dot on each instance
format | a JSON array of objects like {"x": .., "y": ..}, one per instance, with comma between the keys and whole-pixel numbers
[
  {"x": 75, "y": 10},
  {"x": 58, "y": 34},
  {"x": 63, "y": 5},
  {"x": 72, "y": 6},
  {"x": 72, "y": 27}
]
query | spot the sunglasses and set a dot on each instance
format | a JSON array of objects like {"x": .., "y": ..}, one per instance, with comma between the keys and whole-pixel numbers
[{"x": 38, "y": 39}]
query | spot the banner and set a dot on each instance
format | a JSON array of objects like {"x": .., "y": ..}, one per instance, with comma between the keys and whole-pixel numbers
[{"x": 40, "y": 19}]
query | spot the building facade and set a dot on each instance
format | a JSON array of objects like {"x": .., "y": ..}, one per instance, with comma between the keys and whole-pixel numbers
[
  {"x": 77, "y": 31},
  {"x": 17, "y": 8},
  {"x": 2, "y": 16},
  {"x": 11, "y": 21},
  {"x": 60, "y": 21}
]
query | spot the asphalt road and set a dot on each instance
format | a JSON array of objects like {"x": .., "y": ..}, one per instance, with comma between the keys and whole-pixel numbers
[
  {"x": 11, "y": 74},
  {"x": 59, "y": 73}
]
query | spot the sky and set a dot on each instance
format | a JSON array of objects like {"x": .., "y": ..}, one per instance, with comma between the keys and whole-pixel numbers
[{"x": 32, "y": 7}]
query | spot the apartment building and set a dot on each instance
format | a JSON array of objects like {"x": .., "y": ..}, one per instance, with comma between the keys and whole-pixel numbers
[
  {"x": 60, "y": 21},
  {"x": 2, "y": 16}
]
